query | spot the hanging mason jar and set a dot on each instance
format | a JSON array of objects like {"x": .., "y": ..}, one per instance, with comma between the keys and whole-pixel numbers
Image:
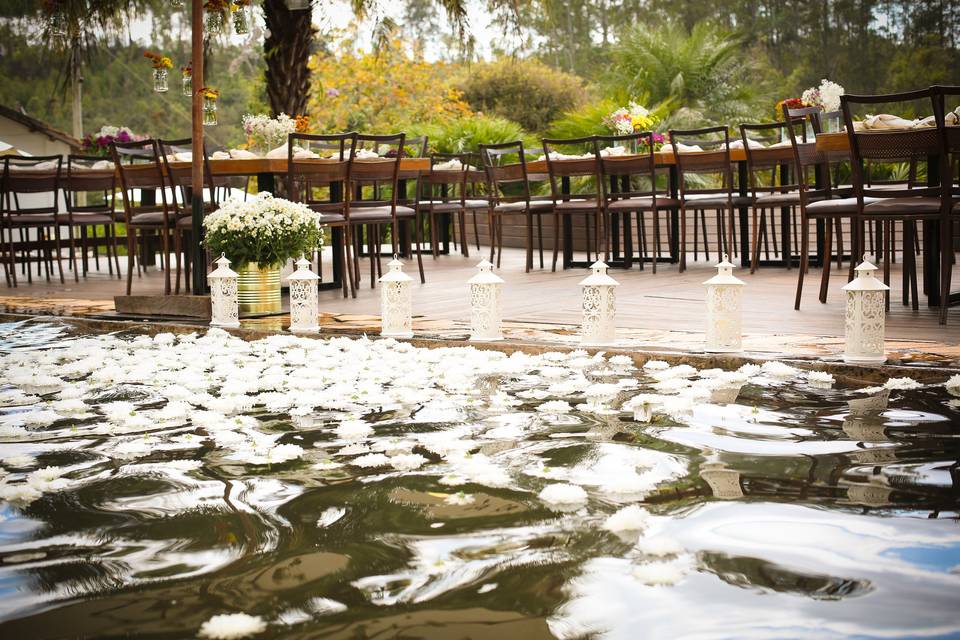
[
  {"x": 214, "y": 22},
  {"x": 241, "y": 23},
  {"x": 209, "y": 109},
  {"x": 187, "y": 82},
  {"x": 57, "y": 24},
  {"x": 160, "y": 80}
]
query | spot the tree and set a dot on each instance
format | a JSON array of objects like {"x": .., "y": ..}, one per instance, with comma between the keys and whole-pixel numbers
[{"x": 286, "y": 50}]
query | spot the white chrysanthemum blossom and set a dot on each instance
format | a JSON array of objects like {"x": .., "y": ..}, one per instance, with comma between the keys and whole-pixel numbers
[
  {"x": 902, "y": 384},
  {"x": 820, "y": 379},
  {"x": 407, "y": 461},
  {"x": 563, "y": 494},
  {"x": 659, "y": 546},
  {"x": 19, "y": 462},
  {"x": 554, "y": 406},
  {"x": 459, "y": 499},
  {"x": 953, "y": 385},
  {"x": 371, "y": 460},
  {"x": 659, "y": 573},
  {"x": 232, "y": 626},
  {"x": 655, "y": 365},
  {"x": 631, "y": 518}
]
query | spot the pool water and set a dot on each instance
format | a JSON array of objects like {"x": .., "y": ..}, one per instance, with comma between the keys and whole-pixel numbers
[{"x": 354, "y": 488}]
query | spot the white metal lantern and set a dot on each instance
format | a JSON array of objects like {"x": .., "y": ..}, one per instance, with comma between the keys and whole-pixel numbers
[
  {"x": 224, "y": 309},
  {"x": 304, "y": 306},
  {"x": 724, "y": 310},
  {"x": 599, "y": 307},
  {"x": 485, "y": 313},
  {"x": 396, "y": 305},
  {"x": 866, "y": 316}
]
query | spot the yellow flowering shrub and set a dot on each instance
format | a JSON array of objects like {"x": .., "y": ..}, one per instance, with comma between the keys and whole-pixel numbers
[{"x": 380, "y": 92}]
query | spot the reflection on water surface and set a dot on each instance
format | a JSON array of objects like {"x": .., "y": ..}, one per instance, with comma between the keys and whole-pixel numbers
[{"x": 358, "y": 489}]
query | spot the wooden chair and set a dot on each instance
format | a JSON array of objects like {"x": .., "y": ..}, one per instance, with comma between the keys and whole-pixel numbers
[
  {"x": 950, "y": 180},
  {"x": 508, "y": 183},
  {"x": 625, "y": 179},
  {"x": 33, "y": 177},
  {"x": 905, "y": 204},
  {"x": 179, "y": 173},
  {"x": 322, "y": 184},
  {"x": 140, "y": 167},
  {"x": 442, "y": 192},
  {"x": 373, "y": 214},
  {"x": 90, "y": 199},
  {"x": 711, "y": 165}
]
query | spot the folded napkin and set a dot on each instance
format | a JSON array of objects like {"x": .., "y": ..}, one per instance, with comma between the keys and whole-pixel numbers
[
  {"x": 99, "y": 165},
  {"x": 738, "y": 144},
  {"x": 776, "y": 145},
  {"x": 613, "y": 151},
  {"x": 279, "y": 152},
  {"x": 887, "y": 121},
  {"x": 183, "y": 156},
  {"x": 365, "y": 154},
  {"x": 555, "y": 155},
  {"x": 241, "y": 154},
  {"x": 49, "y": 165},
  {"x": 449, "y": 165},
  {"x": 688, "y": 148},
  {"x": 304, "y": 154},
  {"x": 220, "y": 155}
]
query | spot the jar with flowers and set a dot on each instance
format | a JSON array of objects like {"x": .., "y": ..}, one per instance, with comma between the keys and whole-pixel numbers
[
  {"x": 216, "y": 11},
  {"x": 631, "y": 119},
  {"x": 161, "y": 65},
  {"x": 241, "y": 20},
  {"x": 210, "y": 97},
  {"x": 187, "y": 80}
]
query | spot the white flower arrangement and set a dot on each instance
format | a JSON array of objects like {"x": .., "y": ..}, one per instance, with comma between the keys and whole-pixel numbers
[
  {"x": 265, "y": 230},
  {"x": 827, "y": 95},
  {"x": 262, "y": 130}
]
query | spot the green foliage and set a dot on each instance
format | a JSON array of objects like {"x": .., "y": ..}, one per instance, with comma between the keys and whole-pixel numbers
[
  {"x": 525, "y": 90},
  {"x": 466, "y": 134},
  {"x": 705, "y": 73}
]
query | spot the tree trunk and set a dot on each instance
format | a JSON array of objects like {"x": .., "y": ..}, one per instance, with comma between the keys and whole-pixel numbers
[{"x": 287, "y": 51}]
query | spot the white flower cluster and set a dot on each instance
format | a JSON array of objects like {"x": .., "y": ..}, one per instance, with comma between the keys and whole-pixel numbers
[
  {"x": 827, "y": 95},
  {"x": 268, "y": 131},
  {"x": 112, "y": 132},
  {"x": 261, "y": 217}
]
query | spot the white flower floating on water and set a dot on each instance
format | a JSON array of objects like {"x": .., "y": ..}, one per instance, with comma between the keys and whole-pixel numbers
[
  {"x": 779, "y": 370},
  {"x": 655, "y": 365},
  {"x": 953, "y": 385},
  {"x": 820, "y": 379},
  {"x": 554, "y": 406},
  {"x": 229, "y": 626},
  {"x": 659, "y": 546},
  {"x": 902, "y": 384},
  {"x": 659, "y": 573},
  {"x": 632, "y": 518},
  {"x": 563, "y": 494}
]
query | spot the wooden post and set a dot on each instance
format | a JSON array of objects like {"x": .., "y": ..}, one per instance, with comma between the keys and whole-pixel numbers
[{"x": 199, "y": 261}]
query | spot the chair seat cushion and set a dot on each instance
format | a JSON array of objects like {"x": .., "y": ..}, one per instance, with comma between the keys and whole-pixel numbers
[
  {"x": 577, "y": 204},
  {"x": 642, "y": 203},
  {"x": 186, "y": 222},
  {"x": 537, "y": 206},
  {"x": 379, "y": 214},
  {"x": 441, "y": 207},
  {"x": 82, "y": 218},
  {"x": 331, "y": 218},
  {"x": 715, "y": 201},
  {"x": 150, "y": 219},
  {"x": 31, "y": 219},
  {"x": 835, "y": 207},
  {"x": 778, "y": 199},
  {"x": 476, "y": 203},
  {"x": 903, "y": 206}
]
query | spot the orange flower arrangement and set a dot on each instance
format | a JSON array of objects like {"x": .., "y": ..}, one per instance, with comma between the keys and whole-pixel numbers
[
  {"x": 303, "y": 124},
  {"x": 159, "y": 61}
]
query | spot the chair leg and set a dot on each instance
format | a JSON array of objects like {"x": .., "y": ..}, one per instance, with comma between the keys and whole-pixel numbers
[
  {"x": 683, "y": 239},
  {"x": 116, "y": 256},
  {"x": 464, "y": 245},
  {"x": 696, "y": 226},
  {"x": 642, "y": 238},
  {"x": 556, "y": 239},
  {"x": 417, "y": 222},
  {"x": 540, "y": 237},
  {"x": 131, "y": 256},
  {"x": 529, "y": 217},
  {"x": 177, "y": 250},
  {"x": 346, "y": 263},
  {"x": 476, "y": 230},
  {"x": 839, "y": 223},
  {"x": 434, "y": 239},
  {"x": 946, "y": 266},
  {"x": 499, "y": 240},
  {"x": 757, "y": 224},
  {"x": 73, "y": 254},
  {"x": 886, "y": 265},
  {"x": 804, "y": 258},
  {"x": 655, "y": 253},
  {"x": 56, "y": 235},
  {"x": 492, "y": 231},
  {"x": 586, "y": 226},
  {"x": 825, "y": 275},
  {"x": 627, "y": 241}
]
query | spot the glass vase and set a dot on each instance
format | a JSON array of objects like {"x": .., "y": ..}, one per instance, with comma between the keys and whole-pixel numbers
[
  {"x": 209, "y": 111},
  {"x": 241, "y": 24},
  {"x": 214, "y": 22},
  {"x": 187, "y": 84},
  {"x": 160, "y": 80}
]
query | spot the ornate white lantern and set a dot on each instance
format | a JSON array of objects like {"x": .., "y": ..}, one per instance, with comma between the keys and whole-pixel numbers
[
  {"x": 866, "y": 316},
  {"x": 304, "y": 306},
  {"x": 599, "y": 307},
  {"x": 224, "y": 309},
  {"x": 396, "y": 318},
  {"x": 724, "y": 483},
  {"x": 485, "y": 314},
  {"x": 724, "y": 310}
]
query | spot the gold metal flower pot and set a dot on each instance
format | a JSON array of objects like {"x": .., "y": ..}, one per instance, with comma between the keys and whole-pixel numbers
[{"x": 258, "y": 289}]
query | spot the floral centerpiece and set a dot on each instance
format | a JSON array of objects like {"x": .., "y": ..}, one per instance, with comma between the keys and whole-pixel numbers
[
  {"x": 826, "y": 96},
  {"x": 99, "y": 143},
  {"x": 789, "y": 103},
  {"x": 259, "y": 236},
  {"x": 265, "y": 133},
  {"x": 634, "y": 118}
]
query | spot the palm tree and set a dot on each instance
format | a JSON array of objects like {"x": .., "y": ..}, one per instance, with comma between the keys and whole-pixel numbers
[{"x": 705, "y": 73}]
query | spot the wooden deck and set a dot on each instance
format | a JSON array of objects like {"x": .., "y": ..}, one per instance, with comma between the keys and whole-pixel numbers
[{"x": 665, "y": 301}]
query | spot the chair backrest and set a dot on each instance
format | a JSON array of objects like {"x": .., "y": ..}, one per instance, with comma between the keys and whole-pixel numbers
[
  {"x": 505, "y": 164},
  {"x": 383, "y": 169},
  {"x": 623, "y": 175},
  {"x": 810, "y": 166},
  {"x": 308, "y": 175},
  {"x": 31, "y": 175},
  {"x": 179, "y": 171},
  {"x": 712, "y": 158},
  {"x": 139, "y": 166},
  {"x": 766, "y": 167},
  {"x": 947, "y": 105},
  {"x": 571, "y": 158},
  {"x": 896, "y": 145},
  {"x": 447, "y": 178},
  {"x": 91, "y": 175}
]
